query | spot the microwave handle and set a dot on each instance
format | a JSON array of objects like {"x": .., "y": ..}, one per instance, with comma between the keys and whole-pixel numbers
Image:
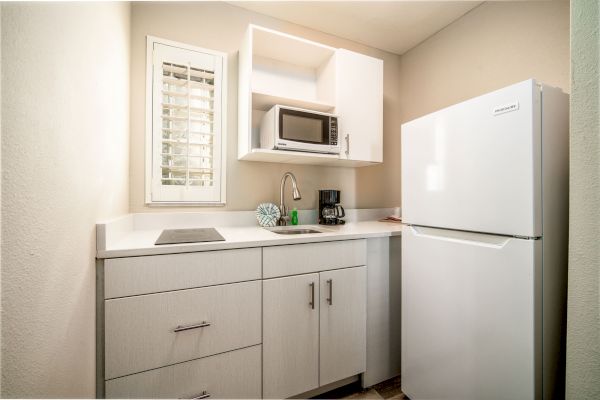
[{"x": 348, "y": 145}]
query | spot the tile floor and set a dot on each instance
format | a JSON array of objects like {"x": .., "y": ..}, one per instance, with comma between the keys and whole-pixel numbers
[{"x": 388, "y": 390}]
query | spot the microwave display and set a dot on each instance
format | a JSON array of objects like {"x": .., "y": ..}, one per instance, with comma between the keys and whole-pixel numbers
[{"x": 304, "y": 127}]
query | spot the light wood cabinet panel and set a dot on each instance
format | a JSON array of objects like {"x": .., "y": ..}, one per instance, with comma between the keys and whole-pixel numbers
[
  {"x": 139, "y": 331},
  {"x": 150, "y": 274},
  {"x": 231, "y": 375},
  {"x": 290, "y": 335},
  {"x": 359, "y": 105},
  {"x": 313, "y": 257},
  {"x": 383, "y": 309},
  {"x": 343, "y": 318}
]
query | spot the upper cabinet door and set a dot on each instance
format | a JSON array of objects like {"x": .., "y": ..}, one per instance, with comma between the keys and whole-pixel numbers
[
  {"x": 359, "y": 105},
  {"x": 343, "y": 319},
  {"x": 476, "y": 166}
]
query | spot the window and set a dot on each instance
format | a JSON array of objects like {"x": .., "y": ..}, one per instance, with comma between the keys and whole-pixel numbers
[{"x": 185, "y": 125}]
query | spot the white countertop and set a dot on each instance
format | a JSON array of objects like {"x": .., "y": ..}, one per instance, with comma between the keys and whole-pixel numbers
[{"x": 141, "y": 242}]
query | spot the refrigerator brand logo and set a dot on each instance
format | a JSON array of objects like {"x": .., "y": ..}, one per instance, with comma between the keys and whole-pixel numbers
[{"x": 506, "y": 108}]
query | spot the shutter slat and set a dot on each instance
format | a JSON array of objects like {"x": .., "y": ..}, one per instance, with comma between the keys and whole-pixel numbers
[
  {"x": 193, "y": 72},
  {"x": 184, "y": 82},
  {"x": 184, "y": 155},
  {"x": 173, "y": 118},
  {"x": 185, "y": 107},
  {"x": 183, "y": 142},
  {"x": 173, "y": 130},
  {"x": 192, "y": 96}
]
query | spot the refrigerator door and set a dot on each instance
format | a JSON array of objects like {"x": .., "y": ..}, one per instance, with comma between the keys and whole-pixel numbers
[
  {"x": 470, "y": 315},
  {"x": 475, "y": 166}
]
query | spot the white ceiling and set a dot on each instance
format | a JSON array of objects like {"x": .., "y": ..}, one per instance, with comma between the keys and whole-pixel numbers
[{"x": 394, "y": 26}]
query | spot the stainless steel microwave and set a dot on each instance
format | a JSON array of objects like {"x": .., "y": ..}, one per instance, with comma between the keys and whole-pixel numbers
[{"x": 289, "y": 128}]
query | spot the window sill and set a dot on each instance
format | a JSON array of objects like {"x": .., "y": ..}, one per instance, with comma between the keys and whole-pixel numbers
[{"x": 184, "y": 204}]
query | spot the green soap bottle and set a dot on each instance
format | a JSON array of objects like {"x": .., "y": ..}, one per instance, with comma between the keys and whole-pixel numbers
[{"x": 294, "y": 216}]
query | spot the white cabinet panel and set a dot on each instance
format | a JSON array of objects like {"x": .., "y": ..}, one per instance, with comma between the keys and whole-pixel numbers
[
  {"x": 359, "y": 105},
  {"x": 140, "y": 331},
  {"x": 343, "y": 318},
  {"x": 232, "y": 375},
  {"x": 474, "y": 168},
  {"x": 290, "y": 335},
  {"x": 469, "y": 315}
]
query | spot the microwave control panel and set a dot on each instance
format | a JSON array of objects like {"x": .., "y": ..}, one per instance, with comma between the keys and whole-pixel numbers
[{"x": 333, "y": 136}]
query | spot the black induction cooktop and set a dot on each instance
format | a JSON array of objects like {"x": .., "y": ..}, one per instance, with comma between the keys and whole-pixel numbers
[{"x": 175, "y": 236}]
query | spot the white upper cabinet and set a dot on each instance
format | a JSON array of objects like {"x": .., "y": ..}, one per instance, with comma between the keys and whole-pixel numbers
[
  {"x": 277, "y": 68},
  {"x": 359, "y": 105}
]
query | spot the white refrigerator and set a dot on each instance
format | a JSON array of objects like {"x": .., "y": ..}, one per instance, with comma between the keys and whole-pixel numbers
[{"x": 484, "y": 248}]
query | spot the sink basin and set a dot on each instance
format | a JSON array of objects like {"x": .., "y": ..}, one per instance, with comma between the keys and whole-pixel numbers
[
  {"x": 290, "y": 230},
  {"x": 296, "y": 231}
]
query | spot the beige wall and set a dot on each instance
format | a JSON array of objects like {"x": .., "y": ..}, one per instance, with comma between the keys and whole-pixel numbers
[
  {"x": 496, "y": 44},
  {"x": 221, "y": 26},
  {"x": 0, "y": 203},
  {"x": 65, "y": 145},
  {"x": 583, "y": 327}
]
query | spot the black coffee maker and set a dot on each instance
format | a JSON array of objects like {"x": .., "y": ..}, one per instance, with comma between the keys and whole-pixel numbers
[{"x": 330, "y": 212}]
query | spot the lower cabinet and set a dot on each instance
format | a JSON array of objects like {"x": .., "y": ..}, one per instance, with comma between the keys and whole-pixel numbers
[
  {"x": 290, "y": 335},
  {"x": 314, "y": 330},
  {"x": 156, "y": 330},
  {"x": 209, "y": 324},
  {"x": 343, "y": 316},
  {"x": 231, "y": 375}
]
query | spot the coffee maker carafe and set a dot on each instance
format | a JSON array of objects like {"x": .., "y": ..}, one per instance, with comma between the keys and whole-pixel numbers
[{"x": 330, "y": 212}]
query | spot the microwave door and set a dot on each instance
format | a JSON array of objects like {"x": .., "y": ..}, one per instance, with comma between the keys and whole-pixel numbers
[{"x": 299, "y": 130}]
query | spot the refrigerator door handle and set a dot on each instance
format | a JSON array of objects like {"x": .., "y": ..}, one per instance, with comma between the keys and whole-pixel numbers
[{"x": 471, "y": 238}]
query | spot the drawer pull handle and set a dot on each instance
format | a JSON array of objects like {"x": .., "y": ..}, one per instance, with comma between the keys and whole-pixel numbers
[
  {"x": 312, "y": 295},
  {"x": 202, "y": 324},
  {"x": 330, "y": 298},
  {"x": 203, "y": 395}
]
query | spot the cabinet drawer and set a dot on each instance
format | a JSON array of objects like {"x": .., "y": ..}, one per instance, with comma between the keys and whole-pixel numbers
[
  {"x": 140, "y": 331},
  {"x": 150, "y": 274},
  {"x": 232, "y": 375},
  {"x": 313, "y": 257}
]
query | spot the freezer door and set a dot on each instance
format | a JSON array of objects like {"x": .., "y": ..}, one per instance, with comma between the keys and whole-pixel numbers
[
  {"x": 475, "y": 166},
  {"x": 470, "y": 316}
]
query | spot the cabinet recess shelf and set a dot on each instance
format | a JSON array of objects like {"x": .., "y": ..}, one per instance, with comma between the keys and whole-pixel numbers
[
  {"x": 291, "y": 157},
  {"x": 289, "y": 49},
  {"x": 264, "y": 101}
]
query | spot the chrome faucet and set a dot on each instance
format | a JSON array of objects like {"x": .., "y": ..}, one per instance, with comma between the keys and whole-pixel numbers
[{"x": 295, "y": 194}]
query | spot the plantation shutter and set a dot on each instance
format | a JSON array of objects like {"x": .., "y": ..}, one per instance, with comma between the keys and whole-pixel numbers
[{"x": 186, "y": 125}]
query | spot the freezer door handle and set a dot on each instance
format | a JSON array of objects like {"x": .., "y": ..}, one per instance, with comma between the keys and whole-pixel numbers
[{"x": 471, "y": 238}]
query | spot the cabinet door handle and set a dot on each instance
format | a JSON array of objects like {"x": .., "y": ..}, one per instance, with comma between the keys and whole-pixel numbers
[
  {"x": 312, "y": 295},
  {"x": 348, "y": 145},
  {"x": 330, "y": 298},
  {"x": 202, "y": 324},
  {"x": 203, "y": 395}
]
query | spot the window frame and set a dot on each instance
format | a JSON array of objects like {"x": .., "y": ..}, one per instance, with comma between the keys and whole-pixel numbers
[{"x": 149, "y": 129}]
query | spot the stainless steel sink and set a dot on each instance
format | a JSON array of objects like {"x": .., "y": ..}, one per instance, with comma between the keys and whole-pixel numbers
[
  {"x": 291, "y": 230},
  {"x": 296, "y": 231}
]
